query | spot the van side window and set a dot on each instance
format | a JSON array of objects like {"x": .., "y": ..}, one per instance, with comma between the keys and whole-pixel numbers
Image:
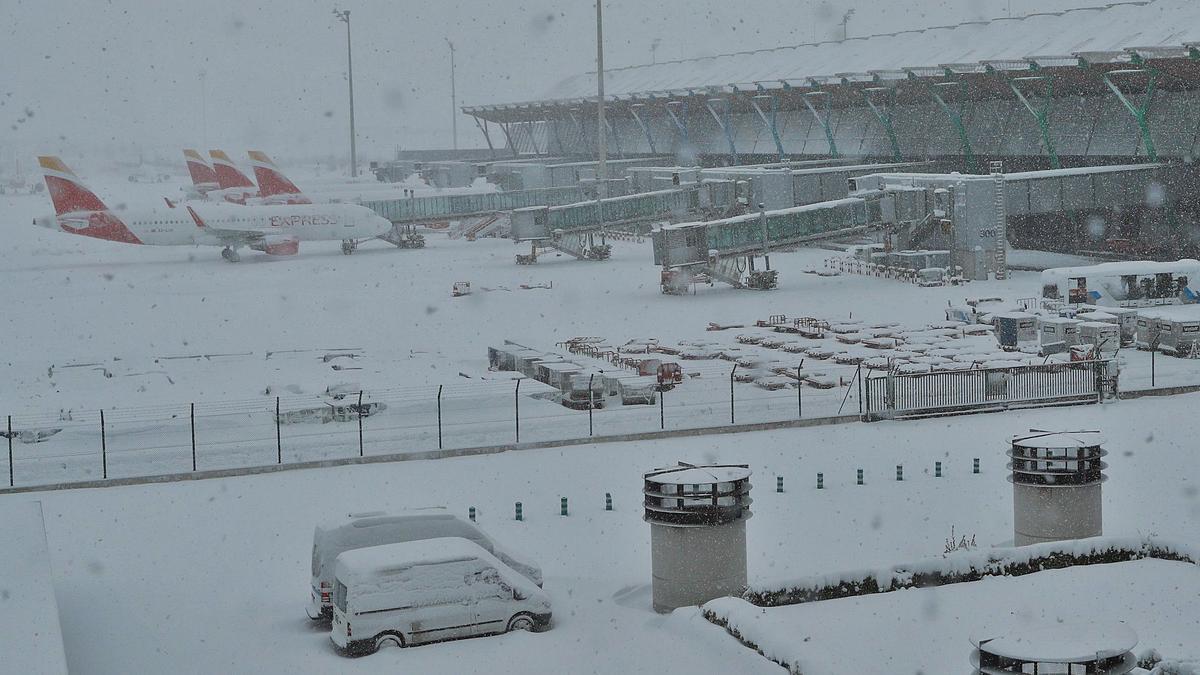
[{"x": 487, "y": 583}]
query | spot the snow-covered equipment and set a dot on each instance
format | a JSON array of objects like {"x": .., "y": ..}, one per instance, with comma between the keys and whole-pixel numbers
[
  {"x": 1056, "y": 479},
  {"x": 460, "y": 289},
  {"x": 697, "y": 517},
  {"x": 1015, "y": 328},
  {"x": 1056, "y": 647}
]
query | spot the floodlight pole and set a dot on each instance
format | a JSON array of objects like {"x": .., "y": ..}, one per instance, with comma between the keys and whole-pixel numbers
[
  {"x": 344, "y": 17},
  {"x": 453, "y": 95},
  {"x": 602, "y": 131}
]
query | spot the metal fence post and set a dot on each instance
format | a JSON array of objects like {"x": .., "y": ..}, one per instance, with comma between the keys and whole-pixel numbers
[
  {"x": 731, "y": 374},
  {"x": 360, "y": 416},
  {"x": 439, "y": 408},
  {"x": 10, "y": 456},
  {"x": 517, "y": 408},
  {"x": 662, "y": 410},
  {"x": 192, "y": 416},
  {"x": 103, "y": 448},
  {"x": 278, "y": 435},
  {"x": 591, "y": 402}
]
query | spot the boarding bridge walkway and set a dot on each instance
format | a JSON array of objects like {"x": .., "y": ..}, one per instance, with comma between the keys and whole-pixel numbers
[
  {"x": 452, "y": 207},
  {"x": 575, "y": 228}
]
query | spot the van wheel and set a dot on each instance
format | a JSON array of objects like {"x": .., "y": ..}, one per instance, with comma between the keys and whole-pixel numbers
[
  {"x": 388, "y": 640},
  {"x": 521, "y": 622}
]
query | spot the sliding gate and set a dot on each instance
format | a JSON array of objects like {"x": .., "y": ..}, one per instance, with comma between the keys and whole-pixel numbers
[{"x": 947, "y": 392}]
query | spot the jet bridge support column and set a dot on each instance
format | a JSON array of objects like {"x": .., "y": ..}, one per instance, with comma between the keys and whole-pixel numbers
[
  {"x": 771, "y": 123},
  {"x": 681, "y": 127},
  {"x": 885, "y": 115},
  {"x": 509, "y": 137},
  {"x": 483, "y": 126},
  {"x": 1140, "y": 111},
  {"x": 956, "y": 118},
  {"x": 823, "y": 120},
  {"x": 1041, "y": 113}
]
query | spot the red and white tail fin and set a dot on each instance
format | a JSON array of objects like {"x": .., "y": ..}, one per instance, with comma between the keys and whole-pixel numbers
[
  {"x": 68, "y": 193},
  {"x": 271, "y": 181},
  {"x": 202, "y": 174},
  {"x": 228, "y": 175}
]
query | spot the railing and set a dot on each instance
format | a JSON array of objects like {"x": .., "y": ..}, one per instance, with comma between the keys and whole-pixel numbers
[
  {"x": 910, "y": 395},
  {"x": 455, "y": 206}
]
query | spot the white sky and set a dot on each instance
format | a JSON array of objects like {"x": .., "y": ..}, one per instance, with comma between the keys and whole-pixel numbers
[{"x": 122, "y": 77}]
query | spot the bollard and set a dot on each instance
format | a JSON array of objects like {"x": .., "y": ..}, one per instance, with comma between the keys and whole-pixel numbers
[
  {"x": 976, "y": 469},
  {"x": 860, "y": 477},
  {"x": 779, "y": 483},
  {"x": 899, "y": 472},
  {"x": 937, "y": 469},
  {"x": 820, "y": 481},
  {"x": 519, "y": 514},
  {"x": 471, "y": 514},
  {"x": 608, "y": 501},
  {"x": 563, "y": 508}
]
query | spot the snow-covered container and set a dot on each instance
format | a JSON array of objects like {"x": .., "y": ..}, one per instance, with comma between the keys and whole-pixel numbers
[
  {"x": 697, "y": 517},
  {"x": 1056, "y": 479},
  {"x": 1106, "y": 337},
  {"x": 638, "y": 390},
  {"x": 429, "y": 590},
  {"x": 557, "y": 374},
  {"x": 1057, "y": 334},
  {"x": 1171, "y": 329},
  {"x": 1015, "y": 328},
  {"x": 1125, "y": 318},
  {"x": 376, "y": 528}
]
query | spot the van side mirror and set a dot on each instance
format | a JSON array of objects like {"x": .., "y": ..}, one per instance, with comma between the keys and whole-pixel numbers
[{"x": 518, "y": 595}]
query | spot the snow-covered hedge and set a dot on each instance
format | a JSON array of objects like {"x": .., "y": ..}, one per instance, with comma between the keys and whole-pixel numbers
[{"x": 968, "y": 566}]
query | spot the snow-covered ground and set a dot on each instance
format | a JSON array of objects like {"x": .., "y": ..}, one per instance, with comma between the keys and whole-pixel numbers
[{"x": 212, "y": 575}]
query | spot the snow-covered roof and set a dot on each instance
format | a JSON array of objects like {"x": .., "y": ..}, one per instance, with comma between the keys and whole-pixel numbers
[
  {"x": 375, "y": 560},
  {"x": 1105, "y": 33}
]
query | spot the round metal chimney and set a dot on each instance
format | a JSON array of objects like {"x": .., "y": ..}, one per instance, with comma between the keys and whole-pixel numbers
[
  {"x": 1056, "y": 479},
  {"x": 697, "y": 517},
  {"x": 1094, "y": 648}
]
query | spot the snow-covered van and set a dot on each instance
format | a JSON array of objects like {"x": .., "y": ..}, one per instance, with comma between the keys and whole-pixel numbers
[
  {"x": 360, "y": 530},
  {"x": 426, "y": 591}
]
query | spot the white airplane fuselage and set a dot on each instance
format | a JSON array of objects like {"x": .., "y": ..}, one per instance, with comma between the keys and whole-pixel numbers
[{"x": 177, "y": 227}]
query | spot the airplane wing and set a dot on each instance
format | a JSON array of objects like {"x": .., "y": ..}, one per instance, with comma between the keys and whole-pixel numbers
[{"x": 227, "y": 236}]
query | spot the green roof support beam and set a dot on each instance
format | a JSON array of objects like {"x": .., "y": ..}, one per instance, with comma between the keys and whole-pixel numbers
[
  {"x": 680, "y": 124},
  {"x": 633, "y": 110},
  {"x": 1041, "y": 113},
  {"x": 771, "y": 122},
  {"x": 1140, "y": 111},
  {"x": 823, "y": 120},
  {"x": 723, "y": 121},
  {"x": 955, "y": 113},
  {"x": 885, "y": 115}
]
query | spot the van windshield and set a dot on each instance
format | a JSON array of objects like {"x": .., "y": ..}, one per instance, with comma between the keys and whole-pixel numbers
[{"x": 339, "y": 595}]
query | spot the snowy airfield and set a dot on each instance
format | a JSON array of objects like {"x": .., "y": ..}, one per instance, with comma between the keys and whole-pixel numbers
[{"x": 212, "y": 576}]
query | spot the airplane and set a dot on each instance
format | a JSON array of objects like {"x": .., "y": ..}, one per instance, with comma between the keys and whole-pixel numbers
[
  {"x": 275, "y": 188},
  {"x": 204, "y": 179},
  {"x": 274, "y": 230}
]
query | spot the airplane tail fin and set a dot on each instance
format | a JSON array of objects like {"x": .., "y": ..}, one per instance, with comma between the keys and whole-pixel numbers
[
  {"x": 228, "y": 175},
  {"x": 271, "y": 181},
  {"x": 68, "y": 193},
  {"x": 202, "y": 174}
]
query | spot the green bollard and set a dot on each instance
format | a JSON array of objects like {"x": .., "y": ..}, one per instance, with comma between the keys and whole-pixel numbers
[
  {"x": 820, "y": 481},
  {"x": 471, "y": 513},
  {"x": 608, "y": 501},
  {"x": 860, "y": 477},
  {"x": 899, "y": 472},
  {"x": 976, "y": 469},
  {"x": 779, "y": 483},
  {"x": 937, "y": 469},
  {"x": 519, "y": 514},
  {"x": 563, "y": 511}
]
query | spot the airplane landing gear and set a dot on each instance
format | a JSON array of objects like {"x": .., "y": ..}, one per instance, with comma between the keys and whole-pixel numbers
[
  {"x": 230, "y": 255},
  {"x": 348, "y": 246}
]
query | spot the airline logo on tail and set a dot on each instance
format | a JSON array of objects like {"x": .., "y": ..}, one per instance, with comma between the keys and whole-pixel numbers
[
  {"x": 203, "y": 176},
  {"x": 228, "y": 175},
  {"x": 78, "y": 209},
  {"x": 272, "y": 184}
]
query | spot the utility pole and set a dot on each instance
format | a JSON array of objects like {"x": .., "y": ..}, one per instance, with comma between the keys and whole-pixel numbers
[
  {"x": 344, "y": 17},
  {"x": 654, "y": 50},
  {"x": 453, "y": 95},
  {"x": 846, "y": 24},
  {"x": 602, "y": 136}
]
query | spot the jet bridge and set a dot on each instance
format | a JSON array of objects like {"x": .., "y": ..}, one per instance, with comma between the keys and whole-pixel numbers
[
  {"x": 446, "y": 207},
  {"x": 727, "y": 250},
  {"x": 579, "y": 229}
]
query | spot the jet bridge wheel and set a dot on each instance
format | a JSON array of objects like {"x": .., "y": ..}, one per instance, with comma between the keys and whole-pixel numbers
[
  {"x": 230, "y": 255},
  {"x": 348, "y": 246}
]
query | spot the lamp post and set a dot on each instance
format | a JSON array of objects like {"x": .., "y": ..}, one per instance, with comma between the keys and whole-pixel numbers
[
  {"x": 204, "y": 108},
  {"x": 846, "y": 24},
  {"x": 343, "y": 15},
  {"x": 453, "y": 95},
  {"x": 602, "y": 132}
]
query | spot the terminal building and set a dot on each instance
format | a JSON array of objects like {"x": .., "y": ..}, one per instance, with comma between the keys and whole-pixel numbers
[{"x": 1111, "y": 85}]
